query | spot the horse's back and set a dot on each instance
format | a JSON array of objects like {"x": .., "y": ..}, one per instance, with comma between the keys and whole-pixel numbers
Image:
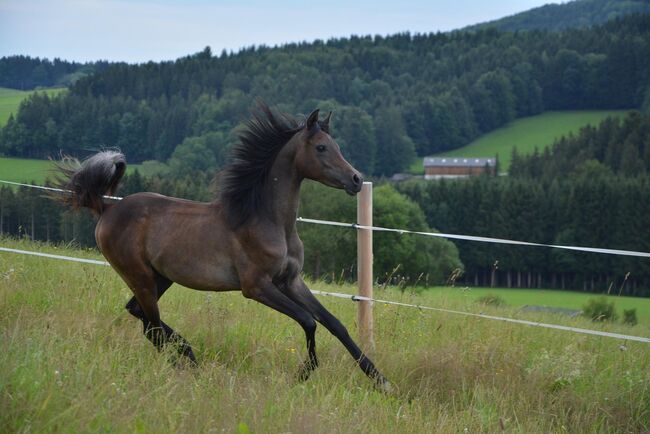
[{"x": 135, "y": 212}]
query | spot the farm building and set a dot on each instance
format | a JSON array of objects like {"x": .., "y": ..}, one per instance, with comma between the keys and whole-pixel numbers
[{"x": 457, "y": 167}]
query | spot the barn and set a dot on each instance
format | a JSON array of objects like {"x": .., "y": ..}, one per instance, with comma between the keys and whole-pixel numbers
[{"x": 457, "y": 167}]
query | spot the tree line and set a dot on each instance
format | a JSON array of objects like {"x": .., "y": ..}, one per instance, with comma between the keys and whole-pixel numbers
[
  {"x": 394, "y": 97},
  {"x": 26, "y": 73}
]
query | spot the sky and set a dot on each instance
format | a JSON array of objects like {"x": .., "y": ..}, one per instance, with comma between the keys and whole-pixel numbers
[{"x": 143, "y": 30}]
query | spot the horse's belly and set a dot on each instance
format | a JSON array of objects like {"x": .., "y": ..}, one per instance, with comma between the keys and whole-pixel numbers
[{"x": 204, "y": 275}]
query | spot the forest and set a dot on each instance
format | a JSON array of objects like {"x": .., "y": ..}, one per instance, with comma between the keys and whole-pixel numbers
[
  {"x": 592, "y": 189},
  {"x": 25, "y": 72},
  {"x": 393, "y": 97}
]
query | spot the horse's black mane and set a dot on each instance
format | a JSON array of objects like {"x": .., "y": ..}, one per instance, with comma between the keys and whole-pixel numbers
[{"x": 241, "y": 182}]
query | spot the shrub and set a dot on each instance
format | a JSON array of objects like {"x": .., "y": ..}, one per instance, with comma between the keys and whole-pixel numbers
[
  {"x": 599, "y": 309},
  {"x": 629, "y": 317},
  {"x": 491, "y": 300}
]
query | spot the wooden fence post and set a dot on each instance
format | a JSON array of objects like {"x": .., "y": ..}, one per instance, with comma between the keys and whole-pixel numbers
[{"x": 364, "y": 264}]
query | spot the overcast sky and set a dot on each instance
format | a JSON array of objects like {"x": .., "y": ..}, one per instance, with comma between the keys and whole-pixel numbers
[{"x": 142, "y": 30}]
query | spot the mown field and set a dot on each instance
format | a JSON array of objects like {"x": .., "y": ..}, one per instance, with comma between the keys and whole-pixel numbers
[
  {"x": 72, "y": 360},
  {"x": 526, "y": 134},
  {"x": 36, "y": 171},
  {"x": 10, "y": 100},
  {"x": 517, "y": 298}
]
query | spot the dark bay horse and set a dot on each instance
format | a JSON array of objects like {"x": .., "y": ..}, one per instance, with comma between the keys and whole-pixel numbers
[{"x": 246, "y": 239}]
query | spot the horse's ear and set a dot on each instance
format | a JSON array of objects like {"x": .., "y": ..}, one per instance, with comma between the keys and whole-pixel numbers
[
  {"x": 312, "y": 119},
  {"x": 326, "y": 121}
]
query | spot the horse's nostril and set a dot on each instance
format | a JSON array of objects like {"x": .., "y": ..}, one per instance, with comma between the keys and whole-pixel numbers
[{"x": 356, "y": 179}]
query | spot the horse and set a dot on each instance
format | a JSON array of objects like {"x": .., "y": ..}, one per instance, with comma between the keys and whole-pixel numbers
[{"x": 244, "y": 240}]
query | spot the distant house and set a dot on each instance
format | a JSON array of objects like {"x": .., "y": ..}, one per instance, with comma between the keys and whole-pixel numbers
[{"x": 457, "y": 167}]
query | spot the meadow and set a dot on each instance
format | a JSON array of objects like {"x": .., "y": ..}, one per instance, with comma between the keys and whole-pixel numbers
[
  {"x": 518, "y": 298},
  {"x": 73, "y": 360},
  {"x": 34, "y": 171},
  {"x": 526, "y": 134},
  {"x": 10, "y": 100}
]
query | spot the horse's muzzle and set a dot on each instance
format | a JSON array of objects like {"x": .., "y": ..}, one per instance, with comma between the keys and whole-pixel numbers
[{"x": 354, "y": 185}]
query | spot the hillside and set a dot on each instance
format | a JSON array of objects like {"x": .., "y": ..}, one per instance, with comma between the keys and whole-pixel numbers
[
  {"x": 572, "y": 14},
  {"x": 31, "y": 170},
  {"x": 72, "y": 359},
  {"x": 618, "y": 146},
  {"x": 530, "y": 133},
  {"x": 393, "y": 97},
  {"x": 10, "y": 100},
  {"x": 588, "y": 189}
]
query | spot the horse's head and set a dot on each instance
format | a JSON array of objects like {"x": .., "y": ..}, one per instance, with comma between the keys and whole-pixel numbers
[{"x": 319, "y": 157}]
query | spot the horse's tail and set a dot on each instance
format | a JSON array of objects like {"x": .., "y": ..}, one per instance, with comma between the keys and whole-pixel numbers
[{"x": 90, "y": 180}]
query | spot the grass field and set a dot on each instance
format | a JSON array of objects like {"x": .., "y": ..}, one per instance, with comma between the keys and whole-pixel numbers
[
  {"x": 36, "y": 171},
  {"x": 517, "y": 298},
  {"x": 73, "y": 360},
  {"x": 526, "y": 134},
  {"x": 10, "y": 100}
]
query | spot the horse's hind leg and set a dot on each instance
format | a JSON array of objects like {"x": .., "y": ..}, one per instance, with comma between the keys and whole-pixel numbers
[{"x": 148, "y": 287}]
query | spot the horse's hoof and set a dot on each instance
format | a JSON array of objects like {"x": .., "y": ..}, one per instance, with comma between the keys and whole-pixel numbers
[
  {"x": 184, "y": 359},
  {"x": 192, "y": 360},
  {"x": 384, "y": 386},
  {"x": 304, "y": 373},
  {"x": 306, "y": 369}
]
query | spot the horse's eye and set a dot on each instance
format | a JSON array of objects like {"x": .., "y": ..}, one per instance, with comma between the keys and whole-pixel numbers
[{"x": 320, "y": 148}]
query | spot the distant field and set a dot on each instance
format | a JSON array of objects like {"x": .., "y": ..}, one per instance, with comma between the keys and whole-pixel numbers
[
  {"x": 24, "y": 170},
  {"x": 28, "y": 171},
  {"x": 526, "y": 134},
  {"x": 10, "y": 100},
  {"x": 516, "y": 298}
]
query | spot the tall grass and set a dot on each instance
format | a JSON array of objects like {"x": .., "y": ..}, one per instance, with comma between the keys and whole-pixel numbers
[{"x": 73, "y": 360}]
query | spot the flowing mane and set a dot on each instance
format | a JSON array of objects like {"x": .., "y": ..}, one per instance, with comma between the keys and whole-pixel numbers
[{"x": 241, "y": 182}]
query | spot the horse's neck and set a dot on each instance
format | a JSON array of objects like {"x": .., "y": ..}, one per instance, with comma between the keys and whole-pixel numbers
[{"x": 283, "y": 190}]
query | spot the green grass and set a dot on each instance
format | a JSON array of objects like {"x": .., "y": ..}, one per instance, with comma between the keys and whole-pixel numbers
[
  {"x": 73, "y": 360},
  {"x": 517, "y": 298},
  {"x": 25, "y": 170},
  {"x": 526, "y": 134},
  {"x": 10, "y": 100},
  {"x": 36, "y": 171}
]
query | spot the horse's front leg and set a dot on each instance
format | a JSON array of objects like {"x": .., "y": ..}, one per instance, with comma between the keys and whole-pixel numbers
[
  {"x": 300, "y": 293},
  {"x": 266, "y": 292}
]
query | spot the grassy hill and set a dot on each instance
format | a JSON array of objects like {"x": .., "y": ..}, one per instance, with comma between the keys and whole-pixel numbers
[
  {"x": 10, "y": 100},
  {"x": 526, "y": 134},
  {"x": 36, "y": 171},
  {"x": 72, "y": 359}
]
